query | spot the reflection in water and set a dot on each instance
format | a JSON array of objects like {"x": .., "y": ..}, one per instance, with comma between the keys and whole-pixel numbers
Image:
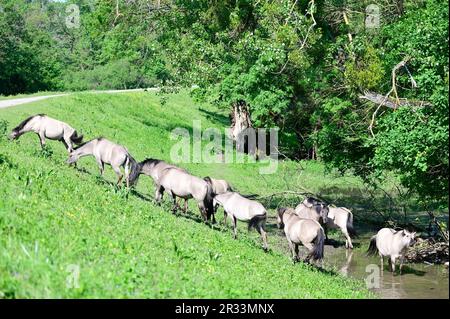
[
  {"x": 417, "y": 280},
  {"x": 344, "y": 268}
]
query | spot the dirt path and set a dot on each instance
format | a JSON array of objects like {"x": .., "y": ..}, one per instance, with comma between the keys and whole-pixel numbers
[{"x": 18, "y": 101}]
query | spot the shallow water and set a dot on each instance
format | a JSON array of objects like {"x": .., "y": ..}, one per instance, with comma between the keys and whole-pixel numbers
[{"x": 417, "y": 280}]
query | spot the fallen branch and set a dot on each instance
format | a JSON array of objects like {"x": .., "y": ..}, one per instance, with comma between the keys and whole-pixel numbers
[{"x": 386, "y": 100}]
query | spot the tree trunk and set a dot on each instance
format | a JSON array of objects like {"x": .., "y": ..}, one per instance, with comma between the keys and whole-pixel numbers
[{"x": 240, "y": 121}]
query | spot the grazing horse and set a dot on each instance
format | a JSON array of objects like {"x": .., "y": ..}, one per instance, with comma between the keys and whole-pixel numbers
[
  {"x": 47, "y": 127},
  {"x": 219, "y": 186},
  {"x": 317, "y": 211},
  {"x": 393, "y": 244},
  {"x": 305, "y": 231},
  {"x": 153, "y": 167},
  {"x": 179, "y": 183},
  {"x": 236, "y": 207},
  {"x": 110, "y": 153}
]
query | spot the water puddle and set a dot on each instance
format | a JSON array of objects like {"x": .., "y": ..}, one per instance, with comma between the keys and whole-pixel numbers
[{"x": 417, "y": 281}]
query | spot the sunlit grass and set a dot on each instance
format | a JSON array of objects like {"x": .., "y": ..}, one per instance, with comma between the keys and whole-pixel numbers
[{"x": 53, "y": 216}]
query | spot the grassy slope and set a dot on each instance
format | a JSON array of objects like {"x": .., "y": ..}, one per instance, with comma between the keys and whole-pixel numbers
[{"x": 52, "y": 216}]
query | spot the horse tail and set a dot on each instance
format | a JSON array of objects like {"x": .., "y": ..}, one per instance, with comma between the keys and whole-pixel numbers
[
  {"x": 319, "y": 241},
  {"x": 255, "y": 220},
  {"x": 134, "y": 169},
  {"x": 77, "y": 139},
  {"x": 351, "y": 230},
  {"x": 208, "y": 200},
  {"x": 372, "y": 250}
]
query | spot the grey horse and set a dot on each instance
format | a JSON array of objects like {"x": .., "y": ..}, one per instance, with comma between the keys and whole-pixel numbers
[
  {"x": 153, "y": 167},
  {"x": 179, "y": 183},
  {"x": 305, "y": 231},
  {"x": 219, "y": 186},
  {"x": 47, "y": 127},
  {"x": 315, "y": 211},
  {"x": 337, "y": 217},
  {"x": 392, "y": 244},
  {"x": 236, "y": 207},
  {"x": 107, "y": 152}
]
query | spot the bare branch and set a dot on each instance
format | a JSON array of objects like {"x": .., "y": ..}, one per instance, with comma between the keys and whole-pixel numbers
[{"x": 395, "y": 102}]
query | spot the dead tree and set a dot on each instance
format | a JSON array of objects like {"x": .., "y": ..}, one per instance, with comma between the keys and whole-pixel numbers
[
  {"x": 392, "y": 102},
  {"x": 240, "y": 123}
]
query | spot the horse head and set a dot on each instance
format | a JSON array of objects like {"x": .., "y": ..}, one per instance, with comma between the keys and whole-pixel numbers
[
  {"x": 280, "y": 214},
  {"x": 14, "y": 135},
  {"x": 322, "y": 209},
  {"x": 73, "y": 156},
  {"x": 409, "y": 238}
]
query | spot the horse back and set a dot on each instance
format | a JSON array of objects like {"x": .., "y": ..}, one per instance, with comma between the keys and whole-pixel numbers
[{"x": 387, "y": 242}]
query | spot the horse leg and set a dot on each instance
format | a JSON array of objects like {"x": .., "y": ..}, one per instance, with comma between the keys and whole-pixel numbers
[
  {"x": 310, "y": 248},
  {"x": 41, "y": 138},
  {"x": 402, "y": 259},
  {"x": 118, "y": 173},
  {"x": 348, "y": 241},
  {"x": 392, "y": 263},
  {"x": 297, "y": 252},
  {"x": 101, "y": 166},
  {"x": 159, "y": 194},
  {"x": 67, "y": 143},
  {"x": 381, "y": 263},
  {"x": 262, "y": 232},
  {"x": 201, "y": 207},
  {"x": 185, "y": 205},
  {"x": 175, "y": 204},
  {"x": 292, "y": 249},
  {"x": 69, "y": 149},
  {"x": 234, "y": 227}
]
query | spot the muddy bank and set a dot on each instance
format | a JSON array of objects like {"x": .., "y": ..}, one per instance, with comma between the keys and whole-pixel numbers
[{"x": 428, "y": 251}]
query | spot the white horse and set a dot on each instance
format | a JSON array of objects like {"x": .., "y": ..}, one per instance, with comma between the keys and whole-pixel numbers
[
  {"x": 305, "y": 231},
  {"x": 236, "y": 207},
  {"x": 393, "y": 244},
  {"x": 47, "y": 127},
  {"x": 110, "y": 153},
  {"x": 342, "y": 218}
]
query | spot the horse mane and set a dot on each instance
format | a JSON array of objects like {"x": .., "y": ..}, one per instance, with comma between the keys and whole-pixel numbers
[
  {"x": 87, "y": 142},
  {"x": 24, "y": 122},
  {"x": 150, "y": 161},
  {"x": 207, "y": 179},
  {"x": 281, "y": 210}
]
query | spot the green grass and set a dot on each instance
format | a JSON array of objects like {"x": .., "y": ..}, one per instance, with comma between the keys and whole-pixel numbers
[{"x": 53, "y": 216}]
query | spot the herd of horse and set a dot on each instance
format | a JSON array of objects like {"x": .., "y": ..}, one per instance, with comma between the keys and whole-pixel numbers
[{"x": 306, "y": 224}]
